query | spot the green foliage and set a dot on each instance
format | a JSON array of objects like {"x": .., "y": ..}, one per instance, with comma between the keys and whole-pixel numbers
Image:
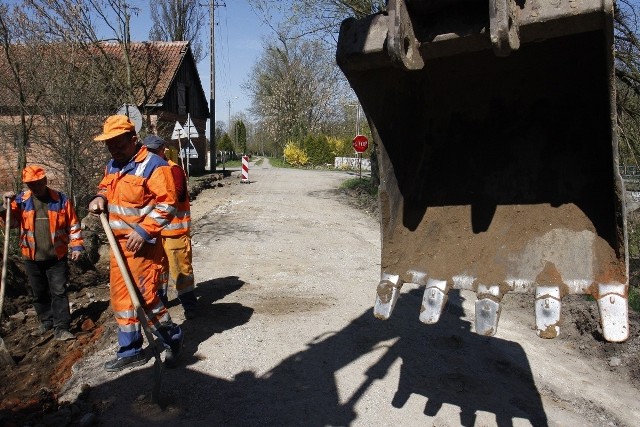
[
  {"x": 295, "y": 155},
  {"x": 634, "y": 298},
  {"x": 340, "y": 147},
  {"x": 634, "y": 240},
  {"x": 225, "y": 143},
  {"x": 240, "y": 134},
  {"x": 317, "y": 150}
]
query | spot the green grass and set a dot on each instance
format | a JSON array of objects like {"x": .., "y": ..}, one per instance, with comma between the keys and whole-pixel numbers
[
  {"x": 362, "y": 184},
  {"x": 259, "y": 161},
  {"x": 634, "y": 298},
  {"x": 278, "y": 162}
]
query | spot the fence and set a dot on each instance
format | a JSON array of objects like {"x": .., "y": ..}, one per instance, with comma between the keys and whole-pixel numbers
[{"x": 351, "y": 163}]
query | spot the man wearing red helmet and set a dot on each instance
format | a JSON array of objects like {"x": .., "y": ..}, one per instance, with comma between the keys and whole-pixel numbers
[{"x": 48, "y": 226}]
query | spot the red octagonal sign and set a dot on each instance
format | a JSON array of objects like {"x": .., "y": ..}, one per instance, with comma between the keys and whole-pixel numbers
[{"x": 360, "y": 143}]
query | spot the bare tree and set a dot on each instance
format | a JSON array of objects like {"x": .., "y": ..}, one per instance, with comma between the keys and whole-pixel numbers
[
  {"x": 19, "y": 82},
  {"x": 627, "y": 46},
  {"x": 179, "y": 20},
  {"x": 77, "y": 78},
  {"x": 294, "y": 89},
  {"x": 318, "y": 19}
]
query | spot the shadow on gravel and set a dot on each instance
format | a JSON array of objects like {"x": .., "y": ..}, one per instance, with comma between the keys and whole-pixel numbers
[{"x": 445, "y": 363}]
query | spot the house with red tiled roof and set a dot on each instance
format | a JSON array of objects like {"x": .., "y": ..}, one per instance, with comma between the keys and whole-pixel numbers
[
  {"x": 165, "y": 86},
  {"x": 169, "y": 92}
]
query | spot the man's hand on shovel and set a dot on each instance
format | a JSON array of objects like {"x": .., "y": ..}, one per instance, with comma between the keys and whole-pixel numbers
[
  {"x": 97, "y": 205},
  {"x": 135, "y": 241}
]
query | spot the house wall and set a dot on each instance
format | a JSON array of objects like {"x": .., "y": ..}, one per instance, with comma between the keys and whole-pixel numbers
[{"x": 185, "y": 98}]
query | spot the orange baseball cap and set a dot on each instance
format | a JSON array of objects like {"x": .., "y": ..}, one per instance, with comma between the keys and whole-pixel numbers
[
  {"x": 33, "y": 173},
  {"x": 115, "y": 126}
]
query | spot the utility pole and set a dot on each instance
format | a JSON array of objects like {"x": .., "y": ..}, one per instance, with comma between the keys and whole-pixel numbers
[
  {"x": 212, "y": 84},
  {"x": 357, "y": 116},
  {"x": 212, "y": 98}
]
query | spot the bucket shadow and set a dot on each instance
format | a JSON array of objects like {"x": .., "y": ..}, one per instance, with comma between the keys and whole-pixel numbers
[{"x": 445, "y": 363}]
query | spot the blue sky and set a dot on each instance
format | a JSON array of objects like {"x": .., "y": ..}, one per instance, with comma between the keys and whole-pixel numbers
[{"x": 238, "y": 45}]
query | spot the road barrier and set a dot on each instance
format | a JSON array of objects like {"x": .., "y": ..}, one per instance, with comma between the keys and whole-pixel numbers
[{"x": 245, "y": 170}]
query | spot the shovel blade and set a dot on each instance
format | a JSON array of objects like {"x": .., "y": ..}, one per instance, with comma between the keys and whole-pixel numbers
[{"x": 5, "y": 357}]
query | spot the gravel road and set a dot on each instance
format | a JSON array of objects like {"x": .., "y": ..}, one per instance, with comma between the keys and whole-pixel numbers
[{"x": 286, "y": 274}]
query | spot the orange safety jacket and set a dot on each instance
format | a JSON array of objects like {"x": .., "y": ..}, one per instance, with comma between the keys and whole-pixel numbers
[
  {"x": 181, "y": 223},
  {"x": 140, "y": 195},
  {"x": 64, "y": 226}
]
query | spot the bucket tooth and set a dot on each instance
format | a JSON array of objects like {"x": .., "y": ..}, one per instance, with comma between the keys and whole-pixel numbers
[
  {"x": 488, "y": 310},
  {"x": 613, "y": 306},
  {"x": 548, "y": 311},
  {"x": 433, "y": 301},
  {"x": 386, "y": 295}
]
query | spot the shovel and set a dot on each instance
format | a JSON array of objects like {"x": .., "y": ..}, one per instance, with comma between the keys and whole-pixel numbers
[
  {"x": 5, "y": 357},
  {"x": 142, "y": 316}
]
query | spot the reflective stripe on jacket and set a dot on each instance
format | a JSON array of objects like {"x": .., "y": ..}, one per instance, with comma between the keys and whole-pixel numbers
[
  {"x": 140, "y": 195},
  {"x": 181, "y": 222},
  {"x": 64, "y": 227}
]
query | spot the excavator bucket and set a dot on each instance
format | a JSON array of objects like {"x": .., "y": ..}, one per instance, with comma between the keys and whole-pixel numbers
[{"x": 495, "y": 130}]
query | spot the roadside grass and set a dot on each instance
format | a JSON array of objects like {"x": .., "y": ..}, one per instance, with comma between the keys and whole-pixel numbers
[
  {"x": 634, "y": 298},
  {"x": 633, "y": 230},
  {"x": 363, "y": 184},
  {"x": 278, "y": 162},
  {"x": 361, "y": 194}
]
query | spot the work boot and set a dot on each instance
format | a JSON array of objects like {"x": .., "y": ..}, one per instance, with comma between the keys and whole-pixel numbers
[
  {"x": 64, "y": 335},
  {"x": 173, "y": 353},
  {"x": 119, "y": 363},
  {"x": 42, "y": 329}
]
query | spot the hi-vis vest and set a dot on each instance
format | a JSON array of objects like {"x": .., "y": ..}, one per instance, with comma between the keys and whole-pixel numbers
[
  {"x": 140, "y": 195},
  {"x": 181, "y": 223},
  {"x": 64, "y": 227}
]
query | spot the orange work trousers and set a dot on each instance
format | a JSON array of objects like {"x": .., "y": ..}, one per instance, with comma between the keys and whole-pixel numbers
[{"x": 145, "y": 268}]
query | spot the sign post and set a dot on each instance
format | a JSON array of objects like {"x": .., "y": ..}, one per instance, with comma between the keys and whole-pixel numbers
[
  {"x": 360, "y": 143},
  {"x": 178, "y": 132},
  {"x": 191, "y": 132}
]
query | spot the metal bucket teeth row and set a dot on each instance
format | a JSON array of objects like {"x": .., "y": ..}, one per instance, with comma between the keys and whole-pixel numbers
[{"x": 611, "y": 299}]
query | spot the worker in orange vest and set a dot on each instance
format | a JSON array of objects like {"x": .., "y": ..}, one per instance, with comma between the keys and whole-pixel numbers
[
  {"x": 138, "y": 193},
  {"x": 48, "y": 226},
  {"x": 176, "y": 237}
]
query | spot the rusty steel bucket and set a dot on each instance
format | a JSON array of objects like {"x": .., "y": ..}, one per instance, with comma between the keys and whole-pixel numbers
[{"x": 495, "y": 129}]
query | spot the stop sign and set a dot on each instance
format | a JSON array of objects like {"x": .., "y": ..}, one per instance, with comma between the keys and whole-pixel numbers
[{"x": 360, "y": 143}]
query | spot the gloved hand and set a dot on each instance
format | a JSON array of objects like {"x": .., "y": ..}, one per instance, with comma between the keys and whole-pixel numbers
[
  {"x": 97, "y": 205},
  {"x": 7, "y": 197}
]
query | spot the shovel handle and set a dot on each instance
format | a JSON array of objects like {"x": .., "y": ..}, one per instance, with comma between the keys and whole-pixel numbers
[
  {"x": 115, "y": 248},
  {"x": 142, "y": 317},
  {"x": 5, "y": 256}
]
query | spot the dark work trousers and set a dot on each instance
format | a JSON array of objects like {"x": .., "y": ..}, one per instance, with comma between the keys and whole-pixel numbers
[{"x": 48, "y": 280}]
